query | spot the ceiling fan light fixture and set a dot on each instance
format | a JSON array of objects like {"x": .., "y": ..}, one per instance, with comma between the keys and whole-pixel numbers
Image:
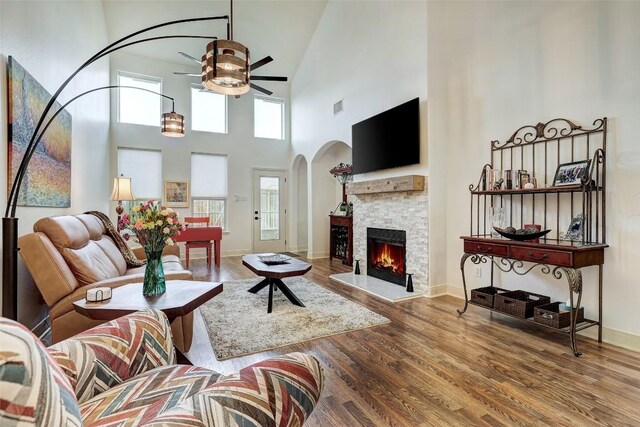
[
  {"x": 225, "y": 67},
  {"x": 172, "y": 125}
]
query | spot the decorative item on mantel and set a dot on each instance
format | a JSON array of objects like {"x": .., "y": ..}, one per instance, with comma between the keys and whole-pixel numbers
[
  {"x": 357, "y": 268},
  {"x": 154, "y": 226},
  {"x": 343, "y": 173}
]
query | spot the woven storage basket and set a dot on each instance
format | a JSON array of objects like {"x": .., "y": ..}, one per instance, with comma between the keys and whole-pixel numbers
[
  {"x": 551, "y": 315},
  {"x": 485, "y": 296},
  {"x": 519, "y": 303}
]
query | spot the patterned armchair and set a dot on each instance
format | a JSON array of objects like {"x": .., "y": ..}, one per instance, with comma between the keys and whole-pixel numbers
[{"x": 124, "y": 373}]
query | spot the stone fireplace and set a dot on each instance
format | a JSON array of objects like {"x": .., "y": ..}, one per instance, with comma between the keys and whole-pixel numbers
[
  {"x": 386, "y": 254},
  {"x": 394, "y": 210}
]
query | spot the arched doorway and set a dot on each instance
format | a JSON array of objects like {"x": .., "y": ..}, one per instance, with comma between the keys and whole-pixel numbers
[{"x": 325, "y": 194}]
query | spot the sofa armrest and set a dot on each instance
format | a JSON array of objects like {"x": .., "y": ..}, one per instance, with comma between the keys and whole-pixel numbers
[
  {"x": 281, "y": 391},
  {"x": 138, "y": 251},
  {"x": 113, "y": 352}
]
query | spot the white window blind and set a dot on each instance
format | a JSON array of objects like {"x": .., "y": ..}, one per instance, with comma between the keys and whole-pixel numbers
[
  {"x": 208, "y": 175},
  {"x": 208, "y": 111},
  {"x": 138, "y": 106},
  {"x": 268, "y": 117},
  {"x": 144, "y": 167}
]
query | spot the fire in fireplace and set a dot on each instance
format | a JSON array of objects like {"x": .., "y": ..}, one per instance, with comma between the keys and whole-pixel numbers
[{"x": 386, "y": 254}]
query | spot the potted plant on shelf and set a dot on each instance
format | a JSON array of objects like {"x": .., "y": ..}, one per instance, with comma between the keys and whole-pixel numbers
[{"x": 154, "y": 226}]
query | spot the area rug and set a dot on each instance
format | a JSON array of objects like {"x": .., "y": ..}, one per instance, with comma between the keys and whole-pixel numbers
[{"x": 238, "y": 323}]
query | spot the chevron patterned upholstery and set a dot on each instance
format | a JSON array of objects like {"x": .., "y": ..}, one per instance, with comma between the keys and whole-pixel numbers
[
  {"x": 124, "y": 374},
  {"x": 33, "y": 388},
  {"x": 113, "y": 352}
]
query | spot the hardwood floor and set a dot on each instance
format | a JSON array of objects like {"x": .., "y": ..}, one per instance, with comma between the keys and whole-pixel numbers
[{"x": 430, "y": 367}]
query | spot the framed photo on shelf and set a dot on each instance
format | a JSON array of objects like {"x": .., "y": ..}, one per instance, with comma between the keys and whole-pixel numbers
[
  {"x": 176, "y": 194},
  {"x": 571, "y": 173},
  {"x": 575, "y": 230}
]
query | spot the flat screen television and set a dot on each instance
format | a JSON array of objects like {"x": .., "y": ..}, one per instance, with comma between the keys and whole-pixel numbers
[{"x": 387, "y": 140}]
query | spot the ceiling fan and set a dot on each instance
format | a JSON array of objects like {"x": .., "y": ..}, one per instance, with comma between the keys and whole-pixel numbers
[
  {"x": 258, "y": 64},
  {"x": 226, "y": 67}
]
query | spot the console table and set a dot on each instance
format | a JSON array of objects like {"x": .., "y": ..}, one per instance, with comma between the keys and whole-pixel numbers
[{"x": 540, "y": 149}]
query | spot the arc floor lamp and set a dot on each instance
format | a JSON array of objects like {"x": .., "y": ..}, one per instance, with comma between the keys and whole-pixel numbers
[{"x": 10, "y": 220}]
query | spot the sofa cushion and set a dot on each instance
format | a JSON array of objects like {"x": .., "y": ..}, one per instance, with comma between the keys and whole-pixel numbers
[
  {"x": 142, "y": 399},
  {"x": 64, "y": 231},
  {"x": 35, "y": 391},
  {"x": 111, "y": 250},
  {"x": 90, "y": 264}
]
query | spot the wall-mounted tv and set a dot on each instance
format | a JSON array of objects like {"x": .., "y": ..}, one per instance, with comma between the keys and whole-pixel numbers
[{"x": 388, "y": 140}]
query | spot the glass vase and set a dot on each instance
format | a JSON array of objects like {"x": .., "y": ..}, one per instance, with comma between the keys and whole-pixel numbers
[
  {"x": 154, "y": 283},
  {"x": 497, "y": 218}
]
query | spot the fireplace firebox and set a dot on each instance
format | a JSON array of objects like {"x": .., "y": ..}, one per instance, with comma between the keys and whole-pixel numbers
[{"x": 386, "y": 254}]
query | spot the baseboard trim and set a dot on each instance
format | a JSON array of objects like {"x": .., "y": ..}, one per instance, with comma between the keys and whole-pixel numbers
[
  {"x": 614, "y": 337},
  {"x": 318, "y": 255},
  {"x": 436, "y": 291},
  {"x": 609, "y": 335}
]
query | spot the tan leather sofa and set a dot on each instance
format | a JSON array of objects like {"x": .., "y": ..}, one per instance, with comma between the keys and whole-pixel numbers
[{"x": 66, "y": 255}]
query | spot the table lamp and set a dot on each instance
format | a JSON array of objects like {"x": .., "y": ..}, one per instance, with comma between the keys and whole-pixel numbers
[{"x": 121, "y": 191}]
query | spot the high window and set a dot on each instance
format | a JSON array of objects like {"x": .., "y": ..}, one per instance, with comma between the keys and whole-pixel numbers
[
  {"x": 208, "y": 111},
  {"x": 138, "y": 106},
  {"x": 209, "y": 187},
  {"x": 144, "y": 167},
  {"x": 268, "y": 117}
]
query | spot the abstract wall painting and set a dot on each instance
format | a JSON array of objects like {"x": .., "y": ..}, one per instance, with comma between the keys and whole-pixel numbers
[{"x": 47, "y": 181}]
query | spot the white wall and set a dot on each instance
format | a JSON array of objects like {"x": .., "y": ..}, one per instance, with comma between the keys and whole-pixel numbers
[
  {"x": 244, "y": 151},
  {"x": 50, "y": 40},
  {"x": 300, "y": 204},
  {"x": 372, "y": 55},
  {"x": 494, "y": 66}
]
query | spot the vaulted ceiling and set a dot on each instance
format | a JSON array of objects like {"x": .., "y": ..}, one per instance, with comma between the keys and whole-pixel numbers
[{"x": 281, "y": 29}]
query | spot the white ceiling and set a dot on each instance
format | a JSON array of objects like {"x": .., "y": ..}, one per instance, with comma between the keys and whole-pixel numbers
[{"x": 281, "y": 29}]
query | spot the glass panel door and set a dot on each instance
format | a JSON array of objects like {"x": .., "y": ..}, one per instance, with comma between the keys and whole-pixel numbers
[{"x": 268, "y": 212}]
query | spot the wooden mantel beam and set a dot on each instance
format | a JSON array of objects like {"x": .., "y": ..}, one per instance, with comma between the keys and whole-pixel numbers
[{"x": 388, "y": 185}]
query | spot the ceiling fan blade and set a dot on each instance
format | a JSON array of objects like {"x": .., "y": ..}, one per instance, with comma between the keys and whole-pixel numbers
[
  {"x": 190, "y": 57},
  {"x": 178, "y": 73},
  {"x": 269, "y": 78},
  {"x": 261, "y": 89},
  {"x": 258, "y": 64}
]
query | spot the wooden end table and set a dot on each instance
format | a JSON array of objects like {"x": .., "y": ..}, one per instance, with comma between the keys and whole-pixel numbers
[
  {"x": 273, "y": 274},
  {"x": 180, "y": 298}
]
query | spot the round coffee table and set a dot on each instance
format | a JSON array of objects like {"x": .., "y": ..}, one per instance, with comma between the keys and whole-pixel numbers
[{"x": 273, "y": 275}]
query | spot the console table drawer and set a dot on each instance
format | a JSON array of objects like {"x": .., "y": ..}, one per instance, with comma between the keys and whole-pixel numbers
[
  {"x": 486, "y": 248},
  {"x": 542, "y": 255}
]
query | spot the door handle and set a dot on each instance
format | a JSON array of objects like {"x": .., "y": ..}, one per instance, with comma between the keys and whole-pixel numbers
[{"x": 256, "y": 217}]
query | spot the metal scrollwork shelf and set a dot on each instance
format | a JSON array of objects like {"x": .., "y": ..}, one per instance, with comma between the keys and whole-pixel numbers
[{"x": 539, "y": 150}]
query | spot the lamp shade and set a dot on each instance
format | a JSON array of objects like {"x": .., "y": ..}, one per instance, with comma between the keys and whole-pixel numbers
[
  {"x": 225, "y": 67},
  {"x": 172, "y": 125},
  {"x": 122, "y": 189}
]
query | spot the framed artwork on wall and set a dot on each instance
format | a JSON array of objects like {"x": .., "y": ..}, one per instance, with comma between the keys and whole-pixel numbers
[
  {"x": 176, "y": 194},
  {"x": 47, "y": 181}
]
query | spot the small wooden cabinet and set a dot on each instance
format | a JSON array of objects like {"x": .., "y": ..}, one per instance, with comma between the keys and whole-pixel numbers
[{"x": 341, "y": 238}]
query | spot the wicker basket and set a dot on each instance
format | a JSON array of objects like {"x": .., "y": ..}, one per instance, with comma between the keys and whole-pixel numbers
[
  {"x": 485, "y": 296},
  {"x": 519, "y": 303},
  {"x": 551, "y": 315}
]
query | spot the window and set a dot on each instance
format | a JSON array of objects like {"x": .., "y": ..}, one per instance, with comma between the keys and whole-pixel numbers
[
  {"x": 209, "y": 187},
  {"x": 138, "y": 106},
  {"x": 208, "y": 111},
  {"x": 268, "y": 117},
  {"x": 144, "y": 167}
]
